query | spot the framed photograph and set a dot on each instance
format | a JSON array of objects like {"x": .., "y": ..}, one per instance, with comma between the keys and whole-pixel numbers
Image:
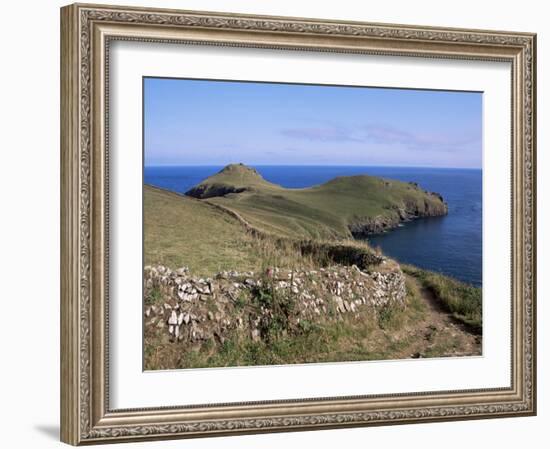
[{"x": 278, "y": 224}]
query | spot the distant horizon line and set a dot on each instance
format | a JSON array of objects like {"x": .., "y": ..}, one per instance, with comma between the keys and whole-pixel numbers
[{"x": 311, "y": 165}]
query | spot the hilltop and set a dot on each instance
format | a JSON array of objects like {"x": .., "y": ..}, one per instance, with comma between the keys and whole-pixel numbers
[
  {"x": 233, "y": 178},
  {"x": 345, "y": 207}
]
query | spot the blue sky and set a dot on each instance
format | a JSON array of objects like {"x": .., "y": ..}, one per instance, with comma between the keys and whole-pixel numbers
[{"x": 194, "y": 122}]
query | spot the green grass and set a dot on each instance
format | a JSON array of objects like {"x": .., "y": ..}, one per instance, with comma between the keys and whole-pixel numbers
[
  {"x": 154, "y": 296},
  {"x": 348, "y": 340},
  {"x": 184, "y": 231},
  {"x": 336, "y": 342},
  {"x": 370, "y": 336},
  {"x": 320, "y": 212},
  {"x": 462, "y": 300}
]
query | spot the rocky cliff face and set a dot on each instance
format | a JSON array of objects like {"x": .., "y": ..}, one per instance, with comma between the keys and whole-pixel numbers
[
  {"x": 192, "y": 310},
  {"x": 433, "y": 206},
  {"x": 204, "y": 191}
]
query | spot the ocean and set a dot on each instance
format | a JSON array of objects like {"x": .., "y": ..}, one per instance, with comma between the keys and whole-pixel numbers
[{"x": 450, "y": 245}]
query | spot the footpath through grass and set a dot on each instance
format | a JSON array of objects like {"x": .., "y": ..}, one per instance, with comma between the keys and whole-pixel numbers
[{"x": 464, "y": 301}]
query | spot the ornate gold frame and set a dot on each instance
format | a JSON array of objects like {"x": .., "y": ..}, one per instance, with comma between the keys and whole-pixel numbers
[{"x": 86, "y": 31}]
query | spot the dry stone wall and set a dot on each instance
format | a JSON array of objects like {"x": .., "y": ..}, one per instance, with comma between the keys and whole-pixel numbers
[{"x": 193, "y": 309}]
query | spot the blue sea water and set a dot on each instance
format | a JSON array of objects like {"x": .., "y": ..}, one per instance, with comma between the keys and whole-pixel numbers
[{"x": 450, "y": 244}]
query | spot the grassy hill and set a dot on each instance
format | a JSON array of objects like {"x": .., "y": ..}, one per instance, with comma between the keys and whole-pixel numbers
[
  {"x": 182, "y": 231},
  {"x": 341, "y": 208}
]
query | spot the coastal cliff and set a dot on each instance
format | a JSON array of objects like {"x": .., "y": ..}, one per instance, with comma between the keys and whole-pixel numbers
[{"x": 361, "y": 227}]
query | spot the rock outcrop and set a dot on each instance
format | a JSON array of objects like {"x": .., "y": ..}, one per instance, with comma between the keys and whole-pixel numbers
[{"x": 204, "y": 191}]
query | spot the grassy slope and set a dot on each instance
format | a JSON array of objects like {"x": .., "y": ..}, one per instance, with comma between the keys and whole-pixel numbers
[
  {"x": 182, "y": 231},
  {"x": 319, "y": 212}
]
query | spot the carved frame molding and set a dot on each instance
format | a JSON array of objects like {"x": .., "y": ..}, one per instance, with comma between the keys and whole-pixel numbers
[{"x": 87, "y": 31}]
